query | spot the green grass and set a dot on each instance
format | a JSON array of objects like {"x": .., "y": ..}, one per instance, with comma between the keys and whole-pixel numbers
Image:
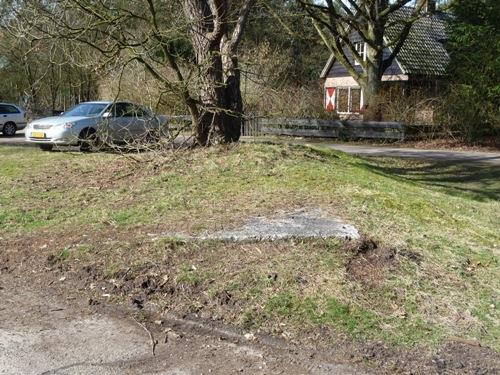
[
  {"x": 189, "y": 276},
  {"x": 448, "y": 214}
]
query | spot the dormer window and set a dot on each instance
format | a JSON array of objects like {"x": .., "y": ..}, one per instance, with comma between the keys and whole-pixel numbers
[{"x": 361, "y": 50}]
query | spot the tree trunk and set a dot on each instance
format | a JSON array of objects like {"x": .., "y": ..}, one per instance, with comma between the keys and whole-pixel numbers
[
  {"x": 206, "y": 34},
  {"x": 371, "y": 83},
  {"x": 220, "y": 115},
  {"x": 232, "y": 93},
  {"x": 371, "y": 91},
  {"x": 210, "y": 126},
  {"x": 234, "y": 104}
]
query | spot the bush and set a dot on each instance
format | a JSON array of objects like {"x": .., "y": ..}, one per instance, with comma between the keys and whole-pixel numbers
[
  {"x": 465, "y": 110},
  {"x": 416, "y": 108},
  {"x": 471, "y": 106}
]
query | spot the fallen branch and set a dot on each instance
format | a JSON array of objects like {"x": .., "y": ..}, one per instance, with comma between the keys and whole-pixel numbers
[{"x": 153, "y": 341}]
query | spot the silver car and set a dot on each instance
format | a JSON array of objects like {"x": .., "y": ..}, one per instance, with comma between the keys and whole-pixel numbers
[
  {"x": 89, "y": 122},
  {"x": 12, "y": 119}
]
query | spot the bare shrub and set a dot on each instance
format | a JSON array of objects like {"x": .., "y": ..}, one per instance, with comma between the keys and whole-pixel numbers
[
  {"x": 270, "y": 89},
  {"x": 303, "y": 102},
  {"x": 135, "y": 83},
  {"x": 415, "y": 108}
]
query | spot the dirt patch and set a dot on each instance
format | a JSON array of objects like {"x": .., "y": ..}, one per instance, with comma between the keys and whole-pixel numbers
[
  {"x": 156, "y": 289},
  {"x": 47, "y": 330},
  {"x": 452, "y": 358},
  {"x": 465, "y": 358},
  {"x": 370, "y": 262}
]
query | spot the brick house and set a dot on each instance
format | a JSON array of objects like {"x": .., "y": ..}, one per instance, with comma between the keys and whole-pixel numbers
[{"x": 421, "y": 63}]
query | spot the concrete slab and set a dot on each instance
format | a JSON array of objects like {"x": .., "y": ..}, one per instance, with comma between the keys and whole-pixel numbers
[{"x": 304, "y": 223}]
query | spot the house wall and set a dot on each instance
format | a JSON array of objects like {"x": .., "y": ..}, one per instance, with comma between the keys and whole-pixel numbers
[
  {"x": 338, "y": 77},
  {"x": 349, "y": 81},
  {"x": 338, "y": 70}
]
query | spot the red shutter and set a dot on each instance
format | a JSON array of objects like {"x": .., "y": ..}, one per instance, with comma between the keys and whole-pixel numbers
[{"x": 330, "y": 98}]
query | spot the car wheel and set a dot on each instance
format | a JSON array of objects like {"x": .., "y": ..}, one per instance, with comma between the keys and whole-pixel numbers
[
  {"x": 88, "y": 138},
  {"x": 9, "y": 129},
  {"x": 157, "y": 134},
  {"x": 46, "y": 147},
  {"x": 152, "y": 136}
]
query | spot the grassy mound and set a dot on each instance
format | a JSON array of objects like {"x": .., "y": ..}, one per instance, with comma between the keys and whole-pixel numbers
[{"x": 426, "y": 270}]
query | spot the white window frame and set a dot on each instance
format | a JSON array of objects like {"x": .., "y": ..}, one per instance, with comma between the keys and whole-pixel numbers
[
  {"x": 349, "y": 99},
  {"x": 360, "y": 48}
]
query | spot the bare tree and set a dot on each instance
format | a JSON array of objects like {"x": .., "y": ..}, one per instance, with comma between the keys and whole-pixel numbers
[
  {"x": 215, "y": 48},
  {"x": 337, "y": 21},
  {"x": 40, "y": 72},
  {"x": 190, "y": 46}
]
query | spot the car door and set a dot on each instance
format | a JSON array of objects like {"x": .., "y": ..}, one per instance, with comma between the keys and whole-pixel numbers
[
  {"x": 142, "y": 123},
  {"x": 3, "y": 115},
  {"x": 120, "y": 122},
  {"x": 10, "y": 113}
]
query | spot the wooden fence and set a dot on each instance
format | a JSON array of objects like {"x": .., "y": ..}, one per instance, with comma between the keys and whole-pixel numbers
[{"x": 323, "y": 128}]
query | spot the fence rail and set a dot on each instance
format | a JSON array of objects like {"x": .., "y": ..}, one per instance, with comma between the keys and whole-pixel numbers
[
  {"x": 323, "y": 128},
  {"x": 256, "y": 126}
]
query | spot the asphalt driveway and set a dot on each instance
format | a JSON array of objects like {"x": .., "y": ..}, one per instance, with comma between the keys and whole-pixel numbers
[
  {"x": 415, "y": 153},
  {"x": 395, "y": 152},
  {"x": 17, "y": 140}
]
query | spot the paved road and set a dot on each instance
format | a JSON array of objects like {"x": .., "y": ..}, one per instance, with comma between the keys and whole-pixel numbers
[
  {"x": 380, "y": 151},
  {"x": 415, "y": 153},
  {"x": 17, "y": 140},
  {"x": 400, "y": 152}
]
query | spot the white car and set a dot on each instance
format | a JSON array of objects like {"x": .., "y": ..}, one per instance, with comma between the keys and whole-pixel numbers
[
  {"x": 12, "y": 119},
  {"x": 106, "y": 121}
]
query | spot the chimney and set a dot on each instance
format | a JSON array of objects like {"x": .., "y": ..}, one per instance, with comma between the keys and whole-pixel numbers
[{"x": 430, "y": 6}]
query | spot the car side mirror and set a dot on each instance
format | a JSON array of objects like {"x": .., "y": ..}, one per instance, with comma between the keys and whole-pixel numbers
[{"x": 106, "y": 115}]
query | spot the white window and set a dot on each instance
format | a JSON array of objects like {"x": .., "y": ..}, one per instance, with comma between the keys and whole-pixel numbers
[
  {"x": 361, "y": 50},
  {"x": 348, "y": 100}
]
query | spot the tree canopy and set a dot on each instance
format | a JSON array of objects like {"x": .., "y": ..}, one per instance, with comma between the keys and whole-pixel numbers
[{"x": 474, "y": 71}]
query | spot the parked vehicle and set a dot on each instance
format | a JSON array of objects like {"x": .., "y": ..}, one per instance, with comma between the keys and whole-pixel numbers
[
  {"x": 12, "y": 119},
  {"x": 97, "y": 122}
]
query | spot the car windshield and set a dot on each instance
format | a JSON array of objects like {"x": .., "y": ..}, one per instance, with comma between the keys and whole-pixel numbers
[{"x": 86, "y": 109}]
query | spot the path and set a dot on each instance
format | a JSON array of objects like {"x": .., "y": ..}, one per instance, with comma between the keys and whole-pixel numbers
[
  {"x": 42, "y": 332},
  {"x": 415, "y": 153},
  {"x": 17, "y": 140},
  {"x": 391, "y": 151}
]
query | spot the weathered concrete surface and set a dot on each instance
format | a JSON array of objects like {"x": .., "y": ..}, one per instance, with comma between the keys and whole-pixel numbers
[
  {"x": 300, "y": 224},
  {"x": 83, "y": 345},
  {"x": 43, "y": 333},
  {"x": 304, "y": 223}
]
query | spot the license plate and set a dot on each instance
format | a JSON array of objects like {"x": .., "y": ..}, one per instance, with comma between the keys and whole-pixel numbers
[{"x": 37, "y": 135}]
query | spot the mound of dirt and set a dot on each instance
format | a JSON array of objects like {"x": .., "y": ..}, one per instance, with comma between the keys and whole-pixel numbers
[{"x": 370, "y": 262}]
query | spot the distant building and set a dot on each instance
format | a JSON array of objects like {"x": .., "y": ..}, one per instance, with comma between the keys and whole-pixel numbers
[{"x": 421, "y": 63}]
